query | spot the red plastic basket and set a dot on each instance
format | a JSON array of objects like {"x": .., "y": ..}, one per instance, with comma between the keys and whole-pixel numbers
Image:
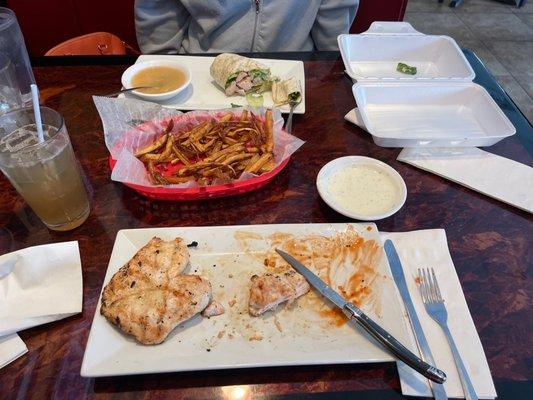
[{"x": 205, "y": 192}]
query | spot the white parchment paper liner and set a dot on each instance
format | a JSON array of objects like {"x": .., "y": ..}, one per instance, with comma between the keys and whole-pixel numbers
[{"x": 130, "y": 124}]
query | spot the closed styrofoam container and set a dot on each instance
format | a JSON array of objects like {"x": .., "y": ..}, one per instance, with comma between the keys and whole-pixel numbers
[
  {"x": 375, "y": 54},
  {"x": 436, "y": 114}
]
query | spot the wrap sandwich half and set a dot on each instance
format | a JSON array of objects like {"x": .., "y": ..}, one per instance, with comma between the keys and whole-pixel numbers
[
  {"x": 240, "y": 75},
  {"x": 286, "y": 91}
]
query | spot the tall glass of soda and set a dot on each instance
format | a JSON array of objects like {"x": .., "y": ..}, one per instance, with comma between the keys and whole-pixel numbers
[{"x": 45, "y": 173}]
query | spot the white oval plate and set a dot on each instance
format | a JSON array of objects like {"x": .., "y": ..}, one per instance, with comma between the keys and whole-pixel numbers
[
  {"x": 322, "y": 184},
  {"x": 131, "y": 71}
]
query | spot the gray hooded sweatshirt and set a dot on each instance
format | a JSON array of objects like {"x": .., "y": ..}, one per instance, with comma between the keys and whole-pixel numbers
[{"x": 197, "y": 26}]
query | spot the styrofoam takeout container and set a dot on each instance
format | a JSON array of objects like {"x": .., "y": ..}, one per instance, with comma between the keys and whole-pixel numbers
[
  {"x": 439, "y": 114},
  {"x": 375, "y": 54},
  {"x": 440, "y": 106}
]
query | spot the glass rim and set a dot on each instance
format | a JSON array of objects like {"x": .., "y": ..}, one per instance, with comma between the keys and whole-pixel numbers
[
  {"x": 8, "y": 21},
  {"x": 47, "y": 140}
]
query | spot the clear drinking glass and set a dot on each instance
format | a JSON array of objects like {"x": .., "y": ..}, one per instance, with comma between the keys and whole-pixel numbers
[
  {"x": 12, "y": 46},
  {"x": 45, "y": 174},
  {"x": 9, "y": 91}
]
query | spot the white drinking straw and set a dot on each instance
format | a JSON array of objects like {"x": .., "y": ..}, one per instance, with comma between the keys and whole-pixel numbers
[{"x": 37, "y": 112}]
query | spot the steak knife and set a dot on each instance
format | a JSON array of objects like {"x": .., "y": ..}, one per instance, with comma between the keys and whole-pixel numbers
[
  {"x": 353, "y": 312},
  {"x": 399, "y": 279}
]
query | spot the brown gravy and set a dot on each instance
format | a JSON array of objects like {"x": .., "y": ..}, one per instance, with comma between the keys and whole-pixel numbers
[{"x": 161, "y": 79}]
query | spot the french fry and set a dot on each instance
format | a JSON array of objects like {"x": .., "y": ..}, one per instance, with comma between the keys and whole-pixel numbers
[
  {"x": 179, "y": 157},
  {"x": 269, "y": 145},
  {"x": 252, "y": 162},
  {"x": 229, "y": 149},
  {"x": 177, "y": 180},
  {"x": 229, "y": 140},
  {"x": 259, "y": 163},
  {"x": 237, "y": 157},
  {"x": 226, "y": 117},
  {"x": 166, "y": 154},
  {"x": 153, "y": 147},
  {"x": 269, "y": 166}
]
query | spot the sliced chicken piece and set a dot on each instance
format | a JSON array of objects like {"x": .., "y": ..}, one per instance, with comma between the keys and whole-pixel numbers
[
  {"x": 245, "y": 84},
  {"x": 270, "y": 290},
  {"x": 231, "y": 89},
  {"x": 214, "y": 308},
  {"x": 241, "y": 76},
  {"x": 148, "y": 297}
]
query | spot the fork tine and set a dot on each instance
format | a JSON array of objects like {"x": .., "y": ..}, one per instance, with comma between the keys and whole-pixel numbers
[
  {"x": 437, "y": 289},
  {"x": 433, "y": 286},
  {"x": 431, "y": 293},
  {"x": 422, "y": 285},
  {"x": 425, "y": 286}
]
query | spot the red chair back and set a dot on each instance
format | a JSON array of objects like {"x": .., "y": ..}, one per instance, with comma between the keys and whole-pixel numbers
[
  {"x": 382, "y": 10},
  {"x": 92, "y": 44}
]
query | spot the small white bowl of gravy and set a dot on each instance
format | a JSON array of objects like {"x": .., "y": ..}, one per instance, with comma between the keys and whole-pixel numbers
[
  {"x": 163, "y": 79},
  {"x": 361, "y": 188}
]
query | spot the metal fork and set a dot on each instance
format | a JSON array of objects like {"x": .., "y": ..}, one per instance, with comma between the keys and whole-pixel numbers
[
  {"x": 434, "y": 304},
  {"x": 292, "y": 105}
]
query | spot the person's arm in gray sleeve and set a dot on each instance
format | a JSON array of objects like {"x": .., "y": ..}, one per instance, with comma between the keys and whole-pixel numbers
[
  {"x": 160, "y": 25},
  {"x": 333, "y": 18}
]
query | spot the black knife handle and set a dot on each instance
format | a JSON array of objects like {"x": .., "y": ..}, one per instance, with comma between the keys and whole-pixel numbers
[{"x": 391, "y": 343}]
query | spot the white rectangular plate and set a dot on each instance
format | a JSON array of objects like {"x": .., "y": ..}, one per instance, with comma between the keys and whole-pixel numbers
[
  {"x": 204, "y": 94},
  {"x": 228, "y": 261}
]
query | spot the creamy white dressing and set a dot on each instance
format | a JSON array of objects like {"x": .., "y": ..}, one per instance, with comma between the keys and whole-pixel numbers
[{"x": 362, "y": 189}]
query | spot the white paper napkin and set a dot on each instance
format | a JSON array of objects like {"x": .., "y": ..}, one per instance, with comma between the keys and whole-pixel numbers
[
  {"x": 354, "y": 116},
  {"x": 429, "y": 248},
  {"x": 38, "y": 285},
  {"x": 11, "y": 348},
  {"x": 495, "y": 176},
  {"x": 498, "y": 177}
]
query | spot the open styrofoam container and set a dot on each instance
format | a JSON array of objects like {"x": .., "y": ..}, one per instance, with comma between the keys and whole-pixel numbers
[
  {"x": 375, "y": 54},
  {"x": 437, "y": 114},
  {"x": 439, "y": 106}
]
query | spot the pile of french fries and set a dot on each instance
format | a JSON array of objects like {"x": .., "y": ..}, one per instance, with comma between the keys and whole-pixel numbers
[{"x": 219, "y": 149}]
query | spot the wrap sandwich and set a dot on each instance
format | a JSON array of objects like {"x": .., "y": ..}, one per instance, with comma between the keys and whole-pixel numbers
[
  {"x": 287, "y": 91},
  {"x": 240, "y": 75}
]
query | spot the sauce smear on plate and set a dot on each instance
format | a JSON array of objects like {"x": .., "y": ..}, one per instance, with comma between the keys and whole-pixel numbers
[
  {"x": 363, "y": 190},
  {"x": 161, "y": 79}
]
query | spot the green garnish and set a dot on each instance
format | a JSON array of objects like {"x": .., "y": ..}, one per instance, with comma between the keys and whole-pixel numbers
[
  {"x": 406, "y": 69},
  {"x": 295, "y": 96},
  {"x": 230, "y": 79},
  {"x": 233, "y": 105},
  {"x": 258, "y": 73},
  {"x": 254, "y": 100}
]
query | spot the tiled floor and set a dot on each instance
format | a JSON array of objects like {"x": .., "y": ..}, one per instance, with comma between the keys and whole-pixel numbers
[{"x": 500, "y": 34}]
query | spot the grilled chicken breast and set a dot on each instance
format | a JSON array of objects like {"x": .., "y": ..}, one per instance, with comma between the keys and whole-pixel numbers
[
  {"x": 214, "y": 308},
  {"x": 270, "y": 290},
  {"x": 148, "y": 297}
]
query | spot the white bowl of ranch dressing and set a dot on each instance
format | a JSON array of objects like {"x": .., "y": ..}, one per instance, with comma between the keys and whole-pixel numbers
[{"x": 361, "y": 188}]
